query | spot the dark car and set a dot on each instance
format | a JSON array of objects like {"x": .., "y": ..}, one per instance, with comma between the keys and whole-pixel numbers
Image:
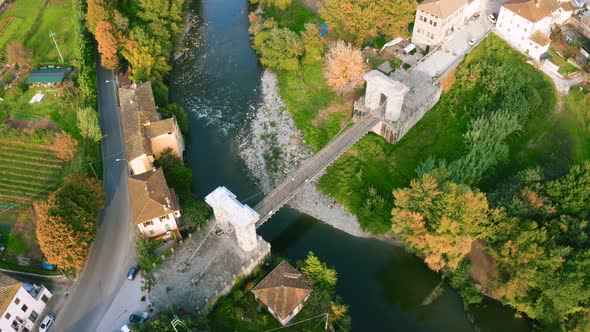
[
  {"x": 133, "y": 272},
  {"x": 138, "y": 318}
]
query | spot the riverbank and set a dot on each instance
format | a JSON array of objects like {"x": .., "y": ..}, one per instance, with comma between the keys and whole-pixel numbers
[{"x": 272, "y": 148}]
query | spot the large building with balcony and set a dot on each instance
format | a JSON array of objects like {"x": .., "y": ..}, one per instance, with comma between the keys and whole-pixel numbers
[
  {"x": 21, "y": 304},
  {"x": 526, "y": 24},
  {"x": 437, "y": 19}
]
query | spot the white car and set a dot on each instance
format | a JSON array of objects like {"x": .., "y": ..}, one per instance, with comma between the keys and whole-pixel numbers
[
  {"x": 471, "y": 42},
  {"x": 125, "y": 328},
  {"x": 46, "y": 323},
  {"x": 492, "y": 18}
]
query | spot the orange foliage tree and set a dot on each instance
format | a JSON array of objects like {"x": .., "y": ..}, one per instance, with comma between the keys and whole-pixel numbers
[
  {"x": 107, "y": 44},
  {"x": 344, "y": 67},
  {"x": 440, "y": 220},
  {"x": 66, "y": 222},
  {"x": 97, "y": 10},
  {"x": 65, "y": 146}
]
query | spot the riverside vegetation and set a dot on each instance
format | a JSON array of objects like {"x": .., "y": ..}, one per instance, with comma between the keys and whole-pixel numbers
[{"x": 522, "y": 236}]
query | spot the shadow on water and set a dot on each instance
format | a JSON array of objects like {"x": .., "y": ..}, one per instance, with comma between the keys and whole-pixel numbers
[{"x": 217, "y": 80}]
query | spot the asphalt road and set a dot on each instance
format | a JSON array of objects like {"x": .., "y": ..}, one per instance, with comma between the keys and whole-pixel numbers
[
  {"x": 312, "y": 167},
  {"x": 113, "y": 251}
]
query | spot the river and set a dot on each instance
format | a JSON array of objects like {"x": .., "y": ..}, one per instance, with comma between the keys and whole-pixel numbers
[{"x": 217, "y": 80}]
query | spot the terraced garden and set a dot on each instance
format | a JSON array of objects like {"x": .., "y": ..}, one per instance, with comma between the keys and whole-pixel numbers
[{"x": 30, "y": 171}]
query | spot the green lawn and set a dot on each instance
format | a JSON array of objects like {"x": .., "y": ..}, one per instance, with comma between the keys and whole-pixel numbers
[
  {"x": 57, "y": 18},
  {"x": 26, "y": 12},
  {"x": 305, "y": 96},
  {"x": 364, "y": 178}
]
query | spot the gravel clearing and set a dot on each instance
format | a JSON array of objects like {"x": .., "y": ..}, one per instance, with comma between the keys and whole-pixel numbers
[{"x": 273, "y": 148}]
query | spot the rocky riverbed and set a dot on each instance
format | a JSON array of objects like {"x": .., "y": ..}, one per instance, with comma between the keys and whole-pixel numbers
[{"x": 273, "y": 148}]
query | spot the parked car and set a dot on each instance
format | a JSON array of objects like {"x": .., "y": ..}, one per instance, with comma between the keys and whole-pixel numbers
[
  {"x": 125, "y": 328},
  {"x": 138, "y": 318},
  {"x": 492, "y": 18},
  {"x": 46, "y": 323},
  {"x": 471, "y": 42},
  {"x": 2, "y": 246},
  {"x": 133, "y": 272},
  {"x": 48, "y": 267}
]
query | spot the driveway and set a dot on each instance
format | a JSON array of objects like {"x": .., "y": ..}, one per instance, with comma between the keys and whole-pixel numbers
[
  {"x": 113, "y": 251},
  {"x": 454, "y": 48}
]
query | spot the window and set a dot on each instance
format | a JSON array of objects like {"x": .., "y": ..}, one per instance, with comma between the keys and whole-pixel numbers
[
  {"x": 164, "y": 217},
  {"x": 525, "y": 29},
  {"x": 168, "y": 229},
  {"x": 148, "y": 223},
  {"x": 152, "y": 232},
  {"x": 430, "y": 22},
  {"x": 33, "y": 317},
  {"x": 17, "y": 301},
  {"x": 44, "y": 298},
  {"x": 7, "y": 316},
  {"x": 435, "y": 23},
  {"x": 521, "y": 38},
  {"x": 24, "y": 308}
]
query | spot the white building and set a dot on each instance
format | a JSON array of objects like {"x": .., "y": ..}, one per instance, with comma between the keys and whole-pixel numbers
[
  {"x": 526, "y": 24},
  {"x": 21, "y": 304},
  {"x": 154, "y": 206},
  {"x": 437, "y": 19}
]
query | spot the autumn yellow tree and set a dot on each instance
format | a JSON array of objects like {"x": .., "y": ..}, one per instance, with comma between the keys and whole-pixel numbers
[
  {"x": 65, "y": 146},
  {"x": 344, "y": 67},
  {"x": 97, "y": 11},
  {"x": 355, "y": 21},
  {"x": 394, "y": 17},
  {"x": 66, "y": 222},
  {"x": 18, "y": 56},
  {"x": 107, "y": 44},
  {"x": 440, "y": 220}
]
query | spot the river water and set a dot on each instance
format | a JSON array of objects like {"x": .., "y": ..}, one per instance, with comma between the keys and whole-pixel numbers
[{"x": 217, "y": 79}]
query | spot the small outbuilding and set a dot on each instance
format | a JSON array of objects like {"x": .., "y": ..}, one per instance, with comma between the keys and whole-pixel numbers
[
  {"x": 49, "y": 75},
  {"x": 283, "y": 292}
]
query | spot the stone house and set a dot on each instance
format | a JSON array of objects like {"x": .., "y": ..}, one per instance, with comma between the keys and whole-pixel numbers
[
  {"x": 154, "y": 206},
  {"x": 437, "y": 19},
  {"x": 283, "y": 292},
  {"x": 146, "y": 135},
  {"x": 21, "y": 304},
  {"x": 582, "y": 22},
  {"x": 526, "y": 24}
]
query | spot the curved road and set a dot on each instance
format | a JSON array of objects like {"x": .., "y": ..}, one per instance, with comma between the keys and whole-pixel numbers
[{"x": 113, "y": 250}]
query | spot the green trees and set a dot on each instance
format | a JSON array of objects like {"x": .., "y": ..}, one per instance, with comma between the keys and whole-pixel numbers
[
  {"x": 279, "y": 49},
  {"x": 313, "y": 43},
  {"x": 66, "y": 223},
  {"x": 324, "y": 277},
  {"x": 440, "y": 220},
  {"x": 88, "y": 124},
  {"x": 281, "y": 4}
]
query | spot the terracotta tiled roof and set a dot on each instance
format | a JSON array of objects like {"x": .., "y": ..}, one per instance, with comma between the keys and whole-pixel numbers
[
  {"x": 163, "y": 127},
  {"x": 150, "y": 196},
  {"x": 441, "y": 8},
  {"x": 8, "y": 289},
  {"x": 533, "y": 13},
  {"x": 282, "y": 290},
  {"x": 539, "y": 38},
  {"x": 137, "y": 108}
]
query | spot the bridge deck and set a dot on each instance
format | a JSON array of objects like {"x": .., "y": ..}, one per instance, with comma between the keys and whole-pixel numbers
[{"x": 312, "y": 167}]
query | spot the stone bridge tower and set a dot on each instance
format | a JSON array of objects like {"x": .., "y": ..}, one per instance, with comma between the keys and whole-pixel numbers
[
  {"x": 382, "y": 89},
  {"x": 230, "y": 212}
]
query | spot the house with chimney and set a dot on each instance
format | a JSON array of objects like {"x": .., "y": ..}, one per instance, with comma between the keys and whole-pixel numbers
[
  {"x": 146, "y": 135},
  {"x": 437, "y": 19},
  {"x": 526, "y": 24},
  {"x": 154, "y": 206},
  {"x": 283, "y": 292},
  {"x": 21, "y": 304}
]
